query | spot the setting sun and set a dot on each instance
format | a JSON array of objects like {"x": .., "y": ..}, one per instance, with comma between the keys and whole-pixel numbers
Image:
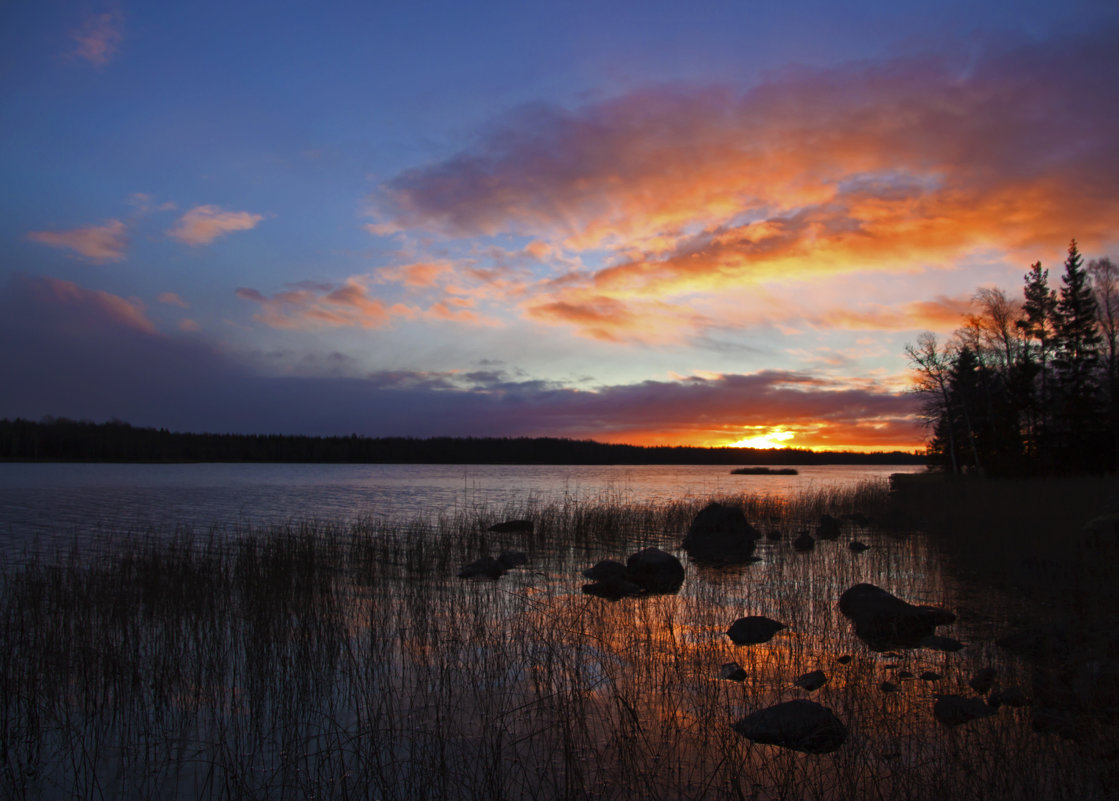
[{"x": 774, "y": 438}]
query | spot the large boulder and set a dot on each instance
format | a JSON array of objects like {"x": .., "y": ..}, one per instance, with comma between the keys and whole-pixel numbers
[
  {"x": 802, "y": 725},
  {"x": 722, "y": 535},
  {"x": 885, "y": 621},
  {"x": 655, "y": 570}
]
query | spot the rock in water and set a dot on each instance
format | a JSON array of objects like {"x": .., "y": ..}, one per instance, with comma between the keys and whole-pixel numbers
[
  {"x": 732, "y": 671},
  {"x": 753, "y": 630},
  {"x": 487, "y": 567},
  {"x": 802, "y": 725},
  {"x": 827, "y": 528},
  {"x": 721, "y": 534},
  {"x": 805, "y": 542},
  {"x": 655, "y": 570},
  {"x": 812, "y": 681},
  {"x": 983, "y": 680},
  {"x": 885, "y": 621},
  {"x": 512, "y": 527},
  {"x": 955, "y": 710},
  {"x": 606, "y": 569}
]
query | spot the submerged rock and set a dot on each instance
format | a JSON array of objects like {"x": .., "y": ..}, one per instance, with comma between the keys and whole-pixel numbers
[
  {"x": 488, "y": 567},
  {"x": 885, "y": 621},
  {"x": 801, "y": 725},
  {"x": 732, "y": 671},
  {"x": 753, "y": 630},
  {"x": 722, "y": 535},
  {"x": 858, "y": 547}
]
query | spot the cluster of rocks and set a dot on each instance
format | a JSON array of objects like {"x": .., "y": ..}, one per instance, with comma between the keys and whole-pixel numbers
[
  {"x": 721, "y": 535},
  {"x": 495, "y": 567},
  {"x": 648, "y": 571}
]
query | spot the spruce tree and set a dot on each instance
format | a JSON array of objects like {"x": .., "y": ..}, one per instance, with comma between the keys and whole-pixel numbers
[
  {"x": 1076, "y": 355},
  {"x": 1077, "y": 341}
]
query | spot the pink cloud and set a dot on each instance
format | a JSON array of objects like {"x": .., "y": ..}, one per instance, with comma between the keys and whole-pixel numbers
[
  {"x": 97, "y": 243},
  {"x": 98, "y": 38},
  {"x": 171, "y": 299},
  {"x": 105, "y": 306},
  {"x": 420, "y": 274},
  {"x": 203, "y": 224},
  {"x": 304, "y": 307}
]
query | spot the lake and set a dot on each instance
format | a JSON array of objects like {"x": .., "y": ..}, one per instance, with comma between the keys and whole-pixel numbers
[
  {"x": 49, "y": 503},
  {"x": 325, "y": 661}
]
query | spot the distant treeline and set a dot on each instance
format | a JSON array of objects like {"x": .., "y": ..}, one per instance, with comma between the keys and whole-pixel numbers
[{"x": 115, "y": 441}]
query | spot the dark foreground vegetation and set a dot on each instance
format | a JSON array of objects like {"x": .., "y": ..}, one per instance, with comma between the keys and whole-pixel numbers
[
  {"x": 1028, "y": 387},
  {"x": 61, "y": 439},
  {"x": 314, "y": 661}
]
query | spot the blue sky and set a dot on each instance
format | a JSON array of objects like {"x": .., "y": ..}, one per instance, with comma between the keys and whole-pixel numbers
[{"x": 643, "y": 222}]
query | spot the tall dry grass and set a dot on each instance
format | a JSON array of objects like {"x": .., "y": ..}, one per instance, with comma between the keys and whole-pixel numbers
[{"x": 315, "y": 661}]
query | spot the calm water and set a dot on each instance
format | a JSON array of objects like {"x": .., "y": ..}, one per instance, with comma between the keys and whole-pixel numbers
[{"x": 45, "y": 503}]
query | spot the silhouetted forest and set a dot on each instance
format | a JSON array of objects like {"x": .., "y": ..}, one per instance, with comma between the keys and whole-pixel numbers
[
  {"x": 1031, "y": 386},
  {"x": 115, "y": 441}
]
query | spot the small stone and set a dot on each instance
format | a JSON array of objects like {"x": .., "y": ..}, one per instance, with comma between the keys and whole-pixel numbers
[
  {"x": 983, "y": 680},
  {"x": 844, "y": 660},
  {"x": 813, "y": 680},
  {"x": 753, "y": 630},
  {"x": 858, "y": 547},
  {"x": 804, "y": 542},
  {"x": 930, "y": 675},
  {"x": 888, "y": 687}
]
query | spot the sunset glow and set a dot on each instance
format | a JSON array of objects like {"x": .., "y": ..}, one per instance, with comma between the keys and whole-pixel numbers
[
  {"x": 714, "y": 226},
  {"x": 778, "y": 438}
]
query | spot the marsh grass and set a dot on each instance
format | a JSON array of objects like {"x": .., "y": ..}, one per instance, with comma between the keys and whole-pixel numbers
[{"x": 319, "y": 661}]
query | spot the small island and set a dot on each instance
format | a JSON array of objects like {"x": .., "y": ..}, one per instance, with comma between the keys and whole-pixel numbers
[{"x": 764, "y": 471}]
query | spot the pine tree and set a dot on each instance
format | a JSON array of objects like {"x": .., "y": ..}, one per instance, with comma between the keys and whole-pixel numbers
[
  {"x": 1077, "y": 341},
  {"x": 1076, "y": 356},
  {"x": 1039, "y": 311}
]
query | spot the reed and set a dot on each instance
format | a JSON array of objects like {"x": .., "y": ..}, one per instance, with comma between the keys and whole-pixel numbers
[{"x": 324, "y": 661}]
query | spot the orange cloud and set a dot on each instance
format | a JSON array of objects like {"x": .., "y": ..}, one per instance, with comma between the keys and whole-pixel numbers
[
  {"x": 941, "y": 314},
  {"x": 98, "y": 38},
  {"x": 203, "y": 224},
  {"x": 864, "y": 168},
  {"x": 420, "y": 274},
  {"x": 98, "y": 243}
]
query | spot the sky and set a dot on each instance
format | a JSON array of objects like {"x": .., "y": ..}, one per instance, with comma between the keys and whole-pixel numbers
[{"x": 710, "y": 223}]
